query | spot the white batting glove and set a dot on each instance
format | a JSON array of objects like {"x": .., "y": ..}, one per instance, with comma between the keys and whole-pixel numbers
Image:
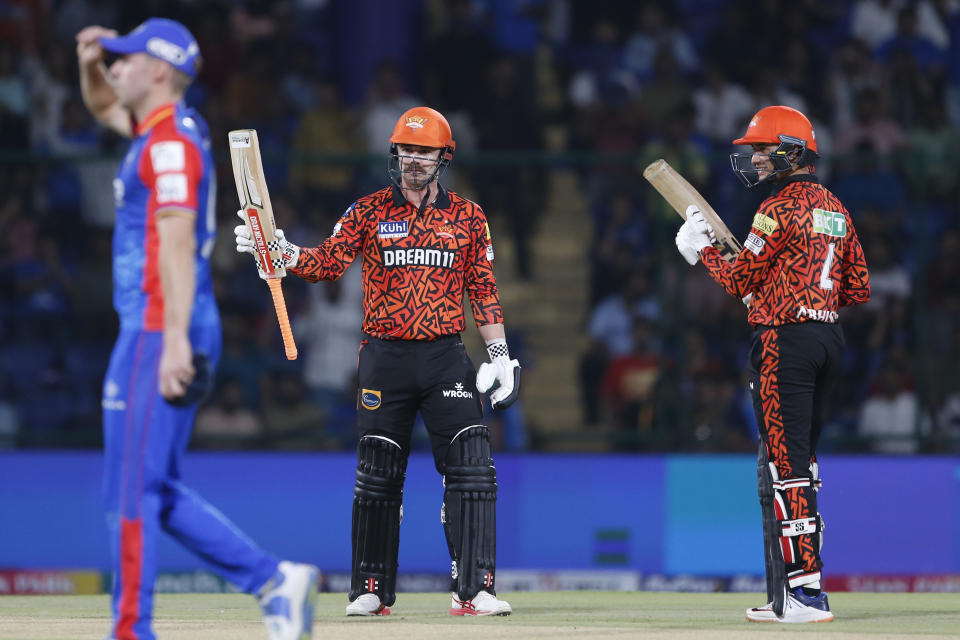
[
  {"x": 500, "y": 376},
  {"x": 245, "y": 244},
  {"x": 694, "y": 235}
]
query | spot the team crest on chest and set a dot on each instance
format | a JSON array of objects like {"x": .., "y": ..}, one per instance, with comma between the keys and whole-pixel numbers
[{"x": 444, "y": 230}]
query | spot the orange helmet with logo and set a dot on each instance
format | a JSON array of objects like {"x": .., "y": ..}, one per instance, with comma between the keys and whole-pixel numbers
[
  {"x": 789, "y": 130},
  {"x": 771, "y": 122},
  {"x": 424, "y": 127}
]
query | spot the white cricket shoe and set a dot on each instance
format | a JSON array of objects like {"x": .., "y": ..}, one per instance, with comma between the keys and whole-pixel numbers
[
  {"x": 287, "y": 601},
  {"x": 367, "y": 604},
  {"x": 483, "y": 604},
  {"x": 799, "y": 608}
]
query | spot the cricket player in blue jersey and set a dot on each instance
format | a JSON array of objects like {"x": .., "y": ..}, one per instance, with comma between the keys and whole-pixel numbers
[{"x": 170, "y": 339}]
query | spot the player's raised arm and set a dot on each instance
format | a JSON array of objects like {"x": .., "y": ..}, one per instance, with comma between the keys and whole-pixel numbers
[
  {"x": 327, "y": 261},
  {"x": 98, "y": 94}
]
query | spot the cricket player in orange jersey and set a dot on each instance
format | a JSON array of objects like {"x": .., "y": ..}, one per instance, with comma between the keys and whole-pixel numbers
[
  {"x": 801, "y": 263},
  {"x": 422, "y": 248}
]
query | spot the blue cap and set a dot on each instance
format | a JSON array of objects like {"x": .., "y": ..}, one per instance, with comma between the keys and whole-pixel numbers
[{"x": 161, "y": 38}]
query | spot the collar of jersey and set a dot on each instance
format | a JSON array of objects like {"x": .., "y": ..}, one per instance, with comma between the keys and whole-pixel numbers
[
  {"x": 155, "y": 117},
  {"x": 442, "y": 201},
  {"x": 799, "y": 177}
]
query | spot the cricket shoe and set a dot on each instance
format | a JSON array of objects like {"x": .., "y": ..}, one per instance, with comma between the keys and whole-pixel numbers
[
  {"x": 287, "y": 601},
  {"x": 483, "y": 604},
  {"x": 799, "y": 608},
  {"x": 367, "y": 604}
]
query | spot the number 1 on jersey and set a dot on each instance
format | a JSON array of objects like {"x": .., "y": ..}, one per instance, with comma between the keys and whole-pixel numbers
[{"x": 825, "y": 281}]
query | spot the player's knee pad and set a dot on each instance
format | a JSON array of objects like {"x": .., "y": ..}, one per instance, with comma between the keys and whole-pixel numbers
[
  {"x": 377, "y": 512},
  {"x": 797, "y": 524},
  {"x": 469, "y": 512}
]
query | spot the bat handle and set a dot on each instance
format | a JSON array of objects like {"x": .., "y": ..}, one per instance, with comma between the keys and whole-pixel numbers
[{"x": 281, "y": 306}]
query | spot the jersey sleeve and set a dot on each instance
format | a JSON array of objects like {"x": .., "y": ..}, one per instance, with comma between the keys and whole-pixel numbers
[
  {"x": 171, "y": 168},
  {"x": 769, "y": 233},
  {"x": 855, "y": 278},
  {"x": 331, "y": 259},
  {"x": 481, "y": 285}
]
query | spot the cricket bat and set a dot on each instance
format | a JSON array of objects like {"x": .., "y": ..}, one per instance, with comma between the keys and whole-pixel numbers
[
  {"x": 680, "y": 194},
  {"x": 258, "y": 216}
]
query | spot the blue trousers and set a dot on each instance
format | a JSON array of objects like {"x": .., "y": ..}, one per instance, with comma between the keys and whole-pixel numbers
[{"x": 144, "y": 441}]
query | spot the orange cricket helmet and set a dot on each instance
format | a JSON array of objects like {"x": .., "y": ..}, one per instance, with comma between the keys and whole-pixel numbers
[
  {"x": 782, "y": 126},
  {"x": 771, "y": 122},
  {"x": 425, "y": 127}
]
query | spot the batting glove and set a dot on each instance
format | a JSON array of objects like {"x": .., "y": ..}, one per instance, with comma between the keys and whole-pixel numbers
[
  {"x": 694, "y": 235},
  {"x": 500, "y": 376},
  {"x": 245, "y": 244}
]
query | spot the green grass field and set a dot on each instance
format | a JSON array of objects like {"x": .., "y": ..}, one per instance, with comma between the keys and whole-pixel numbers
[{"x": 553, "y": 615}]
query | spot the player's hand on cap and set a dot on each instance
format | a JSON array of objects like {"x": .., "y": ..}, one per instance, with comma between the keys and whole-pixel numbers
[
  {"x": 694, "y": 235},
  {"x": 89, "y": 50},
  {"x": 500, "y": 376}
]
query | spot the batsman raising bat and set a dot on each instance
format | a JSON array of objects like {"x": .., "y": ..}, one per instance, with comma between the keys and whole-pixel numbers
[
  {"x": 802, "y": 262},
  {"x": 422, "y": 248}
]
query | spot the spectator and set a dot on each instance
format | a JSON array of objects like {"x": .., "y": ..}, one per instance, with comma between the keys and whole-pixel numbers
[
  {"x": 328, "y": 334},
  {"x": 889, "y": 280},
  {"x": 656, "y": 32},
  {"x": 888, "y": 418},
  {"x": 630, "y": 381},
  {"x": 874, "y": 21},
  {"x": 873, "y": 192},
  {"x": 871, "y": 123},
  {"x": 292, "y": 421},
  {"x": 505, "y": 120},
  {"x": 921, "y": 50},
  {"x": 618, "y": 249},
  {"x": 851, "y": 71},
  {"x": 227, "y": 422},
  {"x": 611, "y": 330},
  {"x": 328, "y": 128},
  {"x": 934, "y": 155},
  {"x": 722, "y": 106}
]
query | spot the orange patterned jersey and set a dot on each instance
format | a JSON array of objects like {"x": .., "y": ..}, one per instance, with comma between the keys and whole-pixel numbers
[
  {"x": 802, "y": 260},
  {"x": 416, "y": 265}
]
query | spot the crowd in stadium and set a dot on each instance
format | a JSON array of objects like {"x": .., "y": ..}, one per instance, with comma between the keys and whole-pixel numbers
[{"x": 624, "y": 82}]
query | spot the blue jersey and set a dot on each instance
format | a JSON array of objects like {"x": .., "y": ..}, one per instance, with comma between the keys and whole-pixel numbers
[{"x": 168, "y": 170}]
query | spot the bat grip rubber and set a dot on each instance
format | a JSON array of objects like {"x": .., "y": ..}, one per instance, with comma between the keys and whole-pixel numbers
[{"x": 289, "y": 346}]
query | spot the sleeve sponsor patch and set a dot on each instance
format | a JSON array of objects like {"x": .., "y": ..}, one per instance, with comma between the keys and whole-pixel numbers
[
  {"x": 167, "y": 156},
  {"x": 763, "y": 223},
  {"x": 754, "y": 243},
  {"x": 490, "y": 253},
  {"x": 172, "y": 187}
]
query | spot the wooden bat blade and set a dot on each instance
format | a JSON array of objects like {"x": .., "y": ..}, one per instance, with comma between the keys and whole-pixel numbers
[
  {"x": 255, "y": 200},
  {"x": 680, "y": 194},
  {"x": 257, "y": 213}
]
